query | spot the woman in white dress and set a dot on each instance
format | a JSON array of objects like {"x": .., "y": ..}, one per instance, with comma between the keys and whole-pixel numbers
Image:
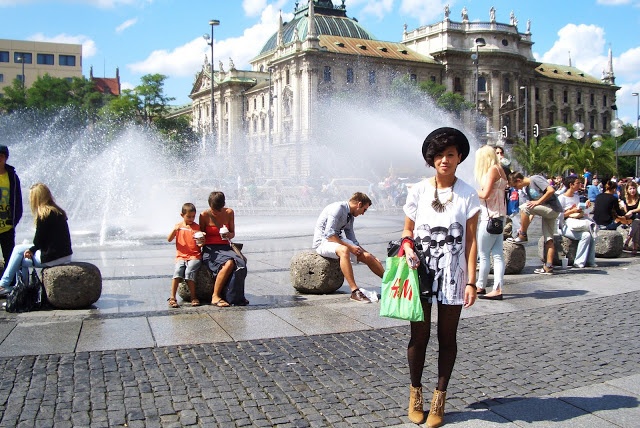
[{"x": 447, "y": 208}]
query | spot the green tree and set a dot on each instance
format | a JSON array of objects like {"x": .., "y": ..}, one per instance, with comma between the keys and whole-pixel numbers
[
  {"x": 537, "y": 157},
  {"x": 15, "y": 97},
  {"x": 151, "y": 93},
  {"x": 123, "y": 109}
]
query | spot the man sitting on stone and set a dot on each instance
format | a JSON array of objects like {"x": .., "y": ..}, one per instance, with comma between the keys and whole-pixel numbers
[{"x": 335, "y": 238}]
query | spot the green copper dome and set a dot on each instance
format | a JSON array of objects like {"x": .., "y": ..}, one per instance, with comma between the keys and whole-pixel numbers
[{"x": 329, "y": 21}]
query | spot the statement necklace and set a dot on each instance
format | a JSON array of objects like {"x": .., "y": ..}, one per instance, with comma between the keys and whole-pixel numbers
[{"x": 438, "y": 206}]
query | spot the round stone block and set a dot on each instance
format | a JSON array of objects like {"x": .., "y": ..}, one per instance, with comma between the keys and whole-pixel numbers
[
  {"x": 508, "y": 228},
  {"x": 204, "y": 286},
  {"x": 313, "y": 274},
  {"x": 565, "y": 247},
  {"x": 75, "y": 285},
  {"x": 609, "y": 244},
  {"x": 515, "y": 257}
]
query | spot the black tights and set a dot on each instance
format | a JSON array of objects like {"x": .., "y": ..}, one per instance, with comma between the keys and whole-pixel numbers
[{"x": 448, "y": 317}]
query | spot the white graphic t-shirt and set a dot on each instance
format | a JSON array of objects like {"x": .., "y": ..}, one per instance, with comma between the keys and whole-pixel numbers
[{"x": 442, "y": 236}]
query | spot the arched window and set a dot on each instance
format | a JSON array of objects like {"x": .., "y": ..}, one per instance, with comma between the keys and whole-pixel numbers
[{"x": 482, "y": 84}]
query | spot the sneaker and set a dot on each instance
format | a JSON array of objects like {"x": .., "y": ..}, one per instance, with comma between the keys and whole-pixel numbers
[
  {"x": 544, "y": 270},
  {"x": 358, "y": 296},
  {"x": 578, "y": 266}
]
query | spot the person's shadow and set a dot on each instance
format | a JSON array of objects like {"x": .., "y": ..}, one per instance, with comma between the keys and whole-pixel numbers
[{"x": 551, "y": 409}]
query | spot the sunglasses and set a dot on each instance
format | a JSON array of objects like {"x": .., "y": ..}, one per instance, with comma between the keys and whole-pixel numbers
[
  {"x": 499, "y": 153},
  {"x": 450, "y": 239},
  {"x": 434, "y": 244}
]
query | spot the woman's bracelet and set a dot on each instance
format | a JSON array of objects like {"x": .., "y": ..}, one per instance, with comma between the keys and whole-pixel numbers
[
  {"x": 471, "y": 285},
  {"x": 407, "y": 239}
]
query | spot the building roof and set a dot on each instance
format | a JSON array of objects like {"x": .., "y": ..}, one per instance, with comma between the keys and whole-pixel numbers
[
  {"x": 107, "y": 85},
  {"x": 372, "y": 48},
  {"x": 630, "y": 148},
  {"x": 329, "y": 21},
  {"x": 564, "y": 72}
]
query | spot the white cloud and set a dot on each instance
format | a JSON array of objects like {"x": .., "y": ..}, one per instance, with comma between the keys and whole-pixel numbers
[
  {"x": 103, "y": 4},
  {"x": 257, "y": 7},
  {"x": 378, "y": 8},
  {"x": 111, "y": 4},
  {"x": 253, "y": 7},
  {"x": 590, "y": 53},
  {"x": 427, "y": 11},
  {"x": 89, "y": 48},
  {"x": 613, "y": 2},
  {"x": 187, "y": 60},
  {"x": 126, "y": 24},
  {"x": 587, "y": 46}
]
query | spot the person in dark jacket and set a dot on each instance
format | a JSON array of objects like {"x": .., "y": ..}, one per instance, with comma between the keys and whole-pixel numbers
[
  {"x": 10, "y": 204},
  {"x": 51, "y": 243}
]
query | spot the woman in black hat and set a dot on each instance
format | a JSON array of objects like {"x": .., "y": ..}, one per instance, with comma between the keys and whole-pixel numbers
[{"x": 440, "y": 203}]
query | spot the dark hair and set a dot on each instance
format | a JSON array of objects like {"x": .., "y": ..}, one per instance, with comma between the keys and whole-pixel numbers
[
  {"x": 611, "y": 185},
  {"x": 361, "y": 197},
  {"x": 438, "y": 140},
  {"x": 216, "y": 200},
  {"x": 188, "y": 208},
  {"x": 515, "y": 176},
  {"x": 4, "y": 150},
  {"x": 568, "y": 181}
]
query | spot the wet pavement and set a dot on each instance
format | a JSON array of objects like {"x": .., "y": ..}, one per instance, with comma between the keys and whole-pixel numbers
[{"x": 559, "y": 350}]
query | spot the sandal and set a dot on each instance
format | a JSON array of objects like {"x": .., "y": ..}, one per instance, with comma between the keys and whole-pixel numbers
[
  {"x": 195, "y": 302},
  {"x": 220, "y": 303},
  {"x": 173, "y": 303}
]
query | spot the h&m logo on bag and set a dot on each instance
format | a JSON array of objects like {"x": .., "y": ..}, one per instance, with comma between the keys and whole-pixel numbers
[{"x": 405, "y": 292}]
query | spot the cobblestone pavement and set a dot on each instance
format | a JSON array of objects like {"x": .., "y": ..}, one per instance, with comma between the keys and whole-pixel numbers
[{"x": 357, "y": 378}]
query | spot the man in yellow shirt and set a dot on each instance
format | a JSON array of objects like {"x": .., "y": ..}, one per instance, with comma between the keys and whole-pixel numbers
[{"x": 10, "y": 204}]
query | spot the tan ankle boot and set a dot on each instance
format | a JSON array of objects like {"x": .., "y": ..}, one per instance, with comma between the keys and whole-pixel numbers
[
  {"x": 416, "y": 405},
  {"x": 436, "y": 413}
]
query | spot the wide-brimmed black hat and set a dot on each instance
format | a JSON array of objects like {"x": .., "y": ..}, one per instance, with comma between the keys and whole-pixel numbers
[{"x": 453, "y": 136}]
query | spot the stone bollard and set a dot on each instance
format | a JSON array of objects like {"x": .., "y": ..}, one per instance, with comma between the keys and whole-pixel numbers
[
  {"x": 565, "y": 247},
  {"x": 515, "y": 257},
  {"x": 204, "y": 286},
  {"x": 609, "y": 244},
  {"x": 313, "y": 274},
  {"x": 75, "y": 285}
]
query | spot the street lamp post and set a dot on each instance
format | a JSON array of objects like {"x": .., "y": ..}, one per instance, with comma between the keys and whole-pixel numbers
[
  {"x": 479, "y": 42},
  {"x": 21, "y": 58},
  {"x": 210, "y": 39},
  {"x": 637, "y": 95},
  {"x": 526, "y": 115}
]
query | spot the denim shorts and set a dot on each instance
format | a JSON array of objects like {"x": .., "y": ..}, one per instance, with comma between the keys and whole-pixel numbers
[{"x": 187, "y": 269}]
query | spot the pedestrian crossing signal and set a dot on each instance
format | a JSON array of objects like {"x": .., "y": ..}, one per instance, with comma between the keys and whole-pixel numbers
[{"x": 504, "y": 132}]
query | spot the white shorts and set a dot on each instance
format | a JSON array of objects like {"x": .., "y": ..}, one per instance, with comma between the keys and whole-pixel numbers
[{"x": 328, "y": 249}]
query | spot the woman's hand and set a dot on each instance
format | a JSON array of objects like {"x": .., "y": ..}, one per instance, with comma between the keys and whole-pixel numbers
[
  {"x": 28, "y": 254},
  {"x": 470, "y": 295},
  {"x": 412, "y": 258}
]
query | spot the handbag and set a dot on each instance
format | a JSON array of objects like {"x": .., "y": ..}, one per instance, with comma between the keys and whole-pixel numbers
[
  {"x": 400, "y": 291},
  {"x": 494, "y": 225},
  {"x": 237, "y": 248},
  {"x": 27, "y": 297}
]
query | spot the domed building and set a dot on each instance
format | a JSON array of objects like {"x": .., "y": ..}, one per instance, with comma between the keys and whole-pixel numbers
[{"x": 271, "y": 111}]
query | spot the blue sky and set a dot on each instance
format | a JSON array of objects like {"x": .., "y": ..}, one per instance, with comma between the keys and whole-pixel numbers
[{"x": 165, "y": 36}]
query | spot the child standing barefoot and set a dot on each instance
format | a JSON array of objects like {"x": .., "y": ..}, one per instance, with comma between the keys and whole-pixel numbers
[{"x": 188, "y": 253}]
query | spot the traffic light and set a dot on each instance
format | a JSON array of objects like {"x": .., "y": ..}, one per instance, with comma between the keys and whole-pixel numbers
[
  {"x": 536, "y": 130},
  {"x": 504, "y": 132}
]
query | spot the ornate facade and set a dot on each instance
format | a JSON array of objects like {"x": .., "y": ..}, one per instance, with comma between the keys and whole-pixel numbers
[{"x": 271, "y": 111}]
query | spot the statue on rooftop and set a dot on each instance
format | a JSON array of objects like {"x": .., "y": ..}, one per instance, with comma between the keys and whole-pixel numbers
[
  {"x": 492, "y": 14},
  {"x": 465, "y": 16},
  {"x": 447, "y": 12}
]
